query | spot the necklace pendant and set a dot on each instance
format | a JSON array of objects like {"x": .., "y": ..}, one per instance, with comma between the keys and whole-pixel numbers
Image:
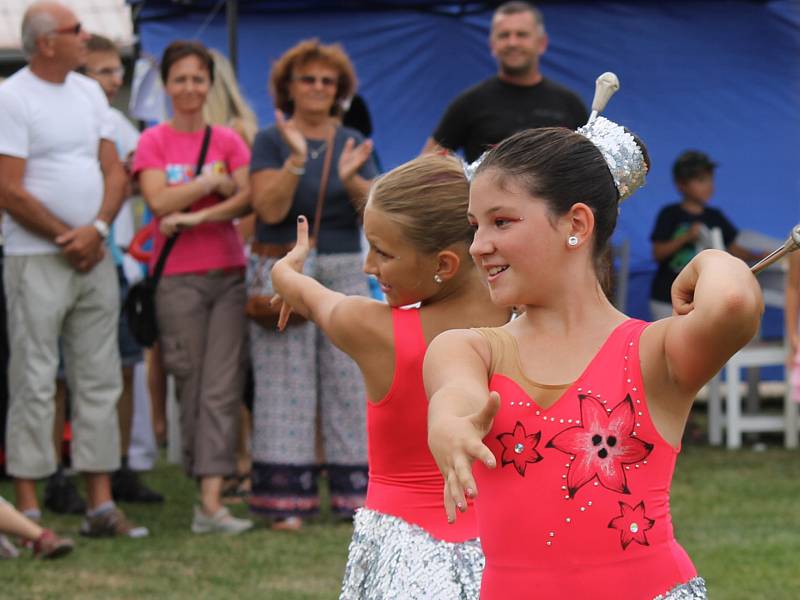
[{"x": 315, "y": 152}]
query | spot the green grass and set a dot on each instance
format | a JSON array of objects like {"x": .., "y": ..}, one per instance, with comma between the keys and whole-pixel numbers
[
  {"x": 175, "y": 563},
  {"x": 736, "y": 513},
  {"x": 738, "y": 516}
]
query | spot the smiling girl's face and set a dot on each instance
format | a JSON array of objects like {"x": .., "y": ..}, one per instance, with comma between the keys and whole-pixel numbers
[{"x": 518, "y": 244}]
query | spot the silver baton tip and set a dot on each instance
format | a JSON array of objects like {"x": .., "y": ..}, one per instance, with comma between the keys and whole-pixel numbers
[{"x": 796, "y": 235}]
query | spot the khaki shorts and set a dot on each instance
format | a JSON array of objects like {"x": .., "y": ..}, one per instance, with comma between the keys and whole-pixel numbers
[{"x": 48, "y": 299}]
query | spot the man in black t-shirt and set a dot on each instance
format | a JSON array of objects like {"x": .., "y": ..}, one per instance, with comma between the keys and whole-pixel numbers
[
  {"x": 684, "y": 228},
  {"x": 517, "y": 98}
]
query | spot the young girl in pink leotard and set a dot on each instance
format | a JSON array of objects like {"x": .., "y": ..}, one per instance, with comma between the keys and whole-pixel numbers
[
  {"x": 574, "y": 412},
  {"x": 415, "y": 223}
]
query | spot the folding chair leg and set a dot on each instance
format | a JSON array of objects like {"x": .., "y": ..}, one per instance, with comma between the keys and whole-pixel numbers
[
  {"x": 715, "y": 411},
  {"x": 733, "y": 406}
]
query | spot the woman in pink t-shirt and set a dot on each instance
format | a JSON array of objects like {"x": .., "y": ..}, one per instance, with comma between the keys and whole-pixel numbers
[{"x": 201, "y": 295}]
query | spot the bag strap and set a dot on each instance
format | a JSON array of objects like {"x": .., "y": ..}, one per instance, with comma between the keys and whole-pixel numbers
[
  {"x": 162, "y": 257},
  {"x": 323, "y": 184}
]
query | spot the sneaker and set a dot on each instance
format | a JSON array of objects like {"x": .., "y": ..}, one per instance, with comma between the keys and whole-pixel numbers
[
  {"x": 62, "y": 497},
  {"x": 111, "y": 523},
  {"x": 49, "y": 545},
  {"x": 220, "y": 522},
  {"x": 126, "y": 487},
  {"x": 7, "y": 548}
]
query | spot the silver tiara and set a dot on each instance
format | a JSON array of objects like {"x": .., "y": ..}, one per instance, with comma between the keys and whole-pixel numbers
[
  {"x": 623, "y": 155},
  {"x": 470, "y": 168}
]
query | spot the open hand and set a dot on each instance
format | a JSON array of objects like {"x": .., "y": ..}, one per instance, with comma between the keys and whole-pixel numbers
[
  {"x": 294, "y": 259},
  {"x": 455, "y": 443},
  {"x": 353, "y": 157}
]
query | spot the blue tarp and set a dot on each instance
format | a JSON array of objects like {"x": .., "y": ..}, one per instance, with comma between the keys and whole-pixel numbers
[{"x": 722, "y": 77}]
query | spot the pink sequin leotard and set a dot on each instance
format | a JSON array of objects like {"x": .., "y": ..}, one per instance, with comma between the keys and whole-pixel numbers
[
  {"x": 404, "y": 480},
  {"x": 578, "y": 506},
  {"x": 402, "y": 546}
]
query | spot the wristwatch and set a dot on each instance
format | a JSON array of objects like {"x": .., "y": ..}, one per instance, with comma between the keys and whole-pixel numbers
[{"x": 102, "y": 228}]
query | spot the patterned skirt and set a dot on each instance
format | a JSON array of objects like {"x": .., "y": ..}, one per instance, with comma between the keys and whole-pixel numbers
[
  {"x": 390, "y": 558},
  {"x": 302, "y": 382}
]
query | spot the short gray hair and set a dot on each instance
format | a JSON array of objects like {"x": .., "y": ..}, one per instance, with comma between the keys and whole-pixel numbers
[
  {"x": 515, "y": 7},
  {"x": 34, "y": 25}
]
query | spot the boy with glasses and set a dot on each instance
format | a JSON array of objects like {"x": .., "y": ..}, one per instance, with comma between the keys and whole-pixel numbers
[{"x": 104, "y": 65}]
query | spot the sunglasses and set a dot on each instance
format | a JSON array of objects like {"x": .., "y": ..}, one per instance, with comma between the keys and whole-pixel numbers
[
  {"x": 72, "y": 29},
  {"x": 311, "y": 80}
]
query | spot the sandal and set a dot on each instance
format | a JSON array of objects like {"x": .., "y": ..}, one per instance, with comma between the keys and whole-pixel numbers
[
  {"x": 49, "y": 545},
  {"x": 287, "y": 524}
]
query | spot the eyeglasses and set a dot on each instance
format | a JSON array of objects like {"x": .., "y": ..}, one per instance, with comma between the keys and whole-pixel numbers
[
  {"x": 311, "y": 80},
  {"x": 72, "y": 29},
  {"x": 108, "y": 72}
]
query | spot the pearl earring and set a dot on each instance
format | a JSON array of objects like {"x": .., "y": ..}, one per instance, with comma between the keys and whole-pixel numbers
[
  {"x": 438, "y": 278},
  {"x": 572, "y": 241}
]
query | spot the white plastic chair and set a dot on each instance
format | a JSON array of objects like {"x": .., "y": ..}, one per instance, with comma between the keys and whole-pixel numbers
[{"x": 756, "y": 354}]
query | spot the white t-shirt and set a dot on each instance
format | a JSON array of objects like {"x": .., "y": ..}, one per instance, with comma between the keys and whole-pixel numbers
[
  {"x": 57, "y": 129},
  {"x": 126, "y": 136}
]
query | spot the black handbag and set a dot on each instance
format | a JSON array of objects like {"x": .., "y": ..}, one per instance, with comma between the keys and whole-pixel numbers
[{"x": 140, "y": 303}]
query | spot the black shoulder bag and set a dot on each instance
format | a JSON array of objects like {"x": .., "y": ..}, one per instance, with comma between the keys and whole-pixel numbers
[{"x": 140, "y": 303}]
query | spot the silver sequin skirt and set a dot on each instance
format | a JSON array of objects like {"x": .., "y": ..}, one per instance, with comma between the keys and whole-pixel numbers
[
  {"x": 694, "y": 589},
  {"x": 392, "y": 559}
]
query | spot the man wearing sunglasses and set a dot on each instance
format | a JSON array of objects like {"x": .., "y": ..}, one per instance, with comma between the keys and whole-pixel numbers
[{"x": 61, "y": 185}]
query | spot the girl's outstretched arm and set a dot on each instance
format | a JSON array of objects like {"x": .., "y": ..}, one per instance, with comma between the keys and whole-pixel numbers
[
  {"x": 460, "y": 413},
  {"x": 718, "y": 303},
  {"x": 337, "y": 314}
]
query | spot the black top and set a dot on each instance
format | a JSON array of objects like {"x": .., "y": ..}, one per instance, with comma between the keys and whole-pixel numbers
[
  {"x": 491, "y": 111},
  {"x": 339, "y": 226},
  {"x": 672, "y": 222},
  {"x": 357, "y": 116}
]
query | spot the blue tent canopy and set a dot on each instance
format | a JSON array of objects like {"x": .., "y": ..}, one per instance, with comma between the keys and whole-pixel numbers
[{"x": 722, "y": 77}]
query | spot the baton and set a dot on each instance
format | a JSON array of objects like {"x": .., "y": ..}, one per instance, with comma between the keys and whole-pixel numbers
[
  {"x": 604, "y": 87},
  {"x": 790, "y": 245}
]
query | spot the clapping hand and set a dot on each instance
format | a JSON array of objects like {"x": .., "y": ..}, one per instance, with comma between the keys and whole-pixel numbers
[
  {"x": 456, "y": 442},
  {"x": 295, "y": 259},
  {"x": 292, "y": 136},
  {"x": 353, "y": 157}
]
